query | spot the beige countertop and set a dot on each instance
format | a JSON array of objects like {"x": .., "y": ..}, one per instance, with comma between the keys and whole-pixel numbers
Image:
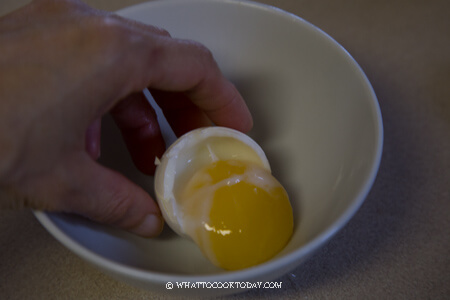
[{"x": 398, "y": 244}]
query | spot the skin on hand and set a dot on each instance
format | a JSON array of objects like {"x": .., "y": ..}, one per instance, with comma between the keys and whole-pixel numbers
[{"x": 63, "y": 65}]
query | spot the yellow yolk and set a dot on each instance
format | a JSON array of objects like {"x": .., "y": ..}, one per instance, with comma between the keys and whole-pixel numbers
[{"x": 248, "y": 217}]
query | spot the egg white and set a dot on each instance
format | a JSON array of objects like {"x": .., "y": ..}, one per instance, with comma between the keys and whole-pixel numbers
[{"x": 191, "y": 152}]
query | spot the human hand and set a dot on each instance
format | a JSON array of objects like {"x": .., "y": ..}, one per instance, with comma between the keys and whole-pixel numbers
[{"x": 63, "y": 65}]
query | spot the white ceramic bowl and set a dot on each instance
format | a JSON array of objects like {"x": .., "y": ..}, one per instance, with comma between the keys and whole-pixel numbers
[{"x": 315, "y": 114}]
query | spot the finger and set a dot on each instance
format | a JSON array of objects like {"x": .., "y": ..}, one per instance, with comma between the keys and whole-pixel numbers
[
  {"x": 145, "y": 27},
  {"x": 95, "y": 192},
  {"x": 173, "y": 65},
  {"x": 180, "y": 112},
  {"x": 93, "y": 139},
  {"x": 108, "y": 197},
  {"x": 190, "y": 67},
  {"x": 129, "y": 57},
  {"x": 139, "y": 126}
]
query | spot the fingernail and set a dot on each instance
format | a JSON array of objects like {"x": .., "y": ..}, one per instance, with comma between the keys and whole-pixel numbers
[{"x": 150, "y": 227}]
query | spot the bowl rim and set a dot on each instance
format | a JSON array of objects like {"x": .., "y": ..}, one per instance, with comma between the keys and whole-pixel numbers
[{"x": 285, "y": 261}]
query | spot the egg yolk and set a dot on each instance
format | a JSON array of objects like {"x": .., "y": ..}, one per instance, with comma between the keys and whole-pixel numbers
[{"x": 250, "y": 217}]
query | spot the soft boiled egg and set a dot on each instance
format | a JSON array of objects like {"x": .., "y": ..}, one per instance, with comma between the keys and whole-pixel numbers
[{"x": 214, "y": 186}]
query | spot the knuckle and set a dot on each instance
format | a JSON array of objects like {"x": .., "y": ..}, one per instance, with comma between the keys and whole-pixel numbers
[
  {"x": 203, "y": 52},
  {"x": 161, "y": 31},
  {"x": 106, "y": 28},
  {"x": 203, "y": 59},
  {"x": 119, "y": 211},
  {"x": 197, "y": 49},
  {"x": 108, "y": 39},
  {"x": 116, "y": 209},
  {"x": 207, "y": 63},
  {"x": 103, "y": 30}
]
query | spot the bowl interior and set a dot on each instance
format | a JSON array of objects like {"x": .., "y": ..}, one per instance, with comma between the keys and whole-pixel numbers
[{"x": 315, "y": 115}]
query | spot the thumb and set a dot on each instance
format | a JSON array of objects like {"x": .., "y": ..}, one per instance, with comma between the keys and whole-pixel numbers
[
  {"x": 82, "y": 186},
  {"x": 107, "y": 196}
]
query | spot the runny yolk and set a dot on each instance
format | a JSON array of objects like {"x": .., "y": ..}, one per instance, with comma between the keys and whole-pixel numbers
[{"x": 250, "y": 218}]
